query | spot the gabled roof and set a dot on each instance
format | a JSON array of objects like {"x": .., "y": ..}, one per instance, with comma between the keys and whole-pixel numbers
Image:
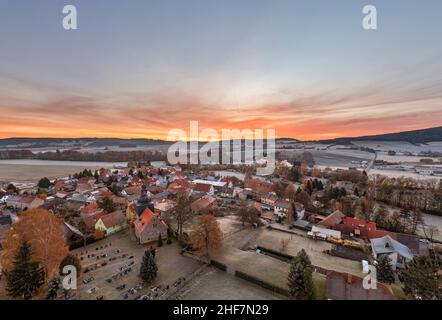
[
  {"x": 143, "y": 221},
  {"x": 164, "y": 204},
  {"x": 387, "y": 245},
  {"x": 118, "y": 200},
  {"x": 91, "y": 220},
  {"x": 112, "y": 219},
  {"x": 283, "y": 204},
  {"x": 89, "y": 208},
  {"x": 134, "y": 190},
  {"x": 202, "y": 187},
  {"x": 86, "y": 180},
  {"x": 203, "y": 203},
  {"x": 333, "y": 219},
  {"x": 22, "y": 199},
  {"x": 344, "y": 286}
]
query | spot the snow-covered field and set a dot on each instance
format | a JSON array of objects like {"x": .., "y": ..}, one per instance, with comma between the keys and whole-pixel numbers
[
  {"x": 398, "y": 174},
  {"x": 400, "y": 146},
  {"x": 403, "y": 159}
]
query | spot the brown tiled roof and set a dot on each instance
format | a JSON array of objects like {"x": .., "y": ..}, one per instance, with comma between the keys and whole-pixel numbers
[
  {"x": 112, "y": 219},
  {"x": 203, "y": 203},
  {"x": 22, "y": 199},
  {"x": 90, "y": 221},
  {"x": 282, "y": 204}
]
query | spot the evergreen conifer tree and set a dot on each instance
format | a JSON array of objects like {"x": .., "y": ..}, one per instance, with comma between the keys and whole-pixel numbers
[
  {"x": 420, "y": 279},
  {"x": 25, "y": 277},
  {"x": 384, "y": 270},
  {"x": 160, "y": 240},
  {"x": 149, "y": 269},
  {"x": 300, "y": 279}
]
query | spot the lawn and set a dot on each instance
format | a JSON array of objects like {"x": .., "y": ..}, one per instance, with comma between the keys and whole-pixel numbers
[
  {"x": 218, "y": 285},
  {"x": 272, "y": 239}
]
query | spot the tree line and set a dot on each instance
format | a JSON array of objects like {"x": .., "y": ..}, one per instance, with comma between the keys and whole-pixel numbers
[{"x": 74, "y": 155}]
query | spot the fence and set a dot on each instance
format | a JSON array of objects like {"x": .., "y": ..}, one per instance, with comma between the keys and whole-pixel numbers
[{"x": 250, "y": 278}]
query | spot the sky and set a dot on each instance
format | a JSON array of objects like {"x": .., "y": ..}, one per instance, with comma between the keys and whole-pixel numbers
[{"x": 139, "y": 68}]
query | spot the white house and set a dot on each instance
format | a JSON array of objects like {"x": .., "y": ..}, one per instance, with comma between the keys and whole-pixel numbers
[
  {"x": 282, "y": 208},
  {"x": 324, "y": 233},
  {"x": 396, "y": 251}
]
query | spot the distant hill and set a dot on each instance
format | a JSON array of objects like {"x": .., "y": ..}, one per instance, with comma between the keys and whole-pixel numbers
[
  {"x": 30, "y": 143},
  {"x": 287, "y": 140},
  {"x": 415, "y": 136}
]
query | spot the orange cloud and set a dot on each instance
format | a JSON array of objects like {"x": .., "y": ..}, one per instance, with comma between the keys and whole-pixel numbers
[{"x": 46, "y": 112}]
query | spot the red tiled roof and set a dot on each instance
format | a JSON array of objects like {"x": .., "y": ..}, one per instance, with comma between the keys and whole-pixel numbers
[
  {"x": 202, "y": 187},
  {"x": 374, "y": 234},
  {"x": 133, "y": 190},
  {"x": 259, "y": 186},
  {"x": 85, "y": 180},
  {"x": 89, "y": 208},
  {"x": 155, "y": 189},
  {"x": 118, "y": 200},
  {"x": 344, "y": 286},
  {"x": 331, "y": 220},
  {"x": 283, "y": 204},
  {"x": 90, "y": 221},
  {"x": 143, "y": 221},
  {"x": 362, "y": 228}
]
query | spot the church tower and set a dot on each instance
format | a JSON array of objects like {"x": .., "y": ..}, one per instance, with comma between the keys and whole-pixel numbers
[{"x": 145, "y": 201}]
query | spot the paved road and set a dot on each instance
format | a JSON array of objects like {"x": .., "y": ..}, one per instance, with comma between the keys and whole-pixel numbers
[{"x": 371, "y": 164}]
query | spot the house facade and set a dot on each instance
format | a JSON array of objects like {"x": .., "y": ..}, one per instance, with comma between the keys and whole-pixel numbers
[
  {"x": 111, "y": 223},
  {"x": 282, "y": 208},
  {"x": 24, "y": 202},
  {"x": 397, "y": 252},
  {"x": 149, "y": 227}
]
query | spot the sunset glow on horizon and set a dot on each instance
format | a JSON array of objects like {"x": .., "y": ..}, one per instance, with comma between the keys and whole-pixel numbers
[{"x": 141, "y": 69}]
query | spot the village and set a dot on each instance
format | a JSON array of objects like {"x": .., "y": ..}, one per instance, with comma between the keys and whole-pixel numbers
[{"x": 213, "y": 236}]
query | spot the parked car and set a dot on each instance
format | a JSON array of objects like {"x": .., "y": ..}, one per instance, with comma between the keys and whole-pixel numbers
[
  {"x": 92, "y": 290},
  {"x": 88, "y": 280}
]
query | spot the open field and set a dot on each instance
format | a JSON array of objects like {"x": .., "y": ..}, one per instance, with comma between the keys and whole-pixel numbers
[
  {"x": 332, "y": 157},
  {"x": 171, "y": 266},
  {"x": 271, "y": 239},
  {"x": 217, "y": 284},
  {"x": 34, "y": 170},
  {"x": 239, "y": 237},
  {"x": 260, "y": 266},
  {"x": 401, "y": 146}
]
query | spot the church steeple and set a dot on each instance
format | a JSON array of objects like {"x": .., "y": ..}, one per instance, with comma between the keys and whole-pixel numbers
[{"x": 145, "y": 201}]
